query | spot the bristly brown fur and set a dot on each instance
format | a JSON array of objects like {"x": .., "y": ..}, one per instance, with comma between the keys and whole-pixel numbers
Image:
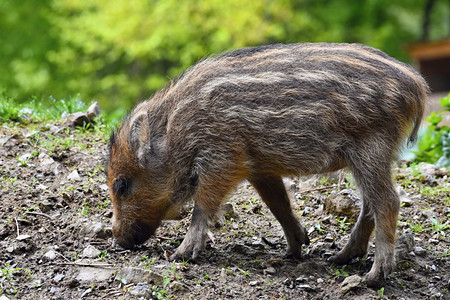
[{"x": 260, "y": 114}]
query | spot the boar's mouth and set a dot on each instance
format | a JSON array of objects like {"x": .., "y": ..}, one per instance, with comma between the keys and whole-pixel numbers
[{"x": 137, "y": 234}]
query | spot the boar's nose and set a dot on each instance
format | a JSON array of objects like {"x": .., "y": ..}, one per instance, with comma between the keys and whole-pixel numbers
[{"x": 142, "y": 232}]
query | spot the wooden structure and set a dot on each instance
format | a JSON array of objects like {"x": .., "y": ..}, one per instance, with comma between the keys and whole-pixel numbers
[{"x": 433, "y": 61}]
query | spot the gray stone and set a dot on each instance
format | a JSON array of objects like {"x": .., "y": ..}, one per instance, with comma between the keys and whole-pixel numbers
[
  {"x": 3, "y": 297},
  {"x": 405, "y": 244},
  {"x": 93, "y": 111},
  {"x": 74, "y": 176},
  {"x": 58, "y": 278},
  {"x": 97, "y": 273},
  {"x": 269, "y": 271},
  {"x": 136, "y": 275},
  {"x": 77, "y": 119},
  {"x": 50, "y": 255},
  {"x": 141, "y": 290},
  {"x": 23, "y": 237},
  {"x": 344, "y": 203},
  {"x": 91, "y": 252},
  {"x": 95, "y": 229},
  {"x": 350, "y": 283},
  {"x": 419, "y": 251}
]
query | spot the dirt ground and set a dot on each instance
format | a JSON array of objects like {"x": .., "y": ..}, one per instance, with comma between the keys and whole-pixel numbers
[{"x": 56, "y": 241}]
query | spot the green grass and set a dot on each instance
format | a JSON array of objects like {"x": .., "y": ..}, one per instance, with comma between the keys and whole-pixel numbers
[{"x": 40, "y": 110}]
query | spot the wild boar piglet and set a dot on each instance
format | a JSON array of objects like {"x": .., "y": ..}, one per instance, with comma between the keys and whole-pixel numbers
[{"x": 260, "y": 114}]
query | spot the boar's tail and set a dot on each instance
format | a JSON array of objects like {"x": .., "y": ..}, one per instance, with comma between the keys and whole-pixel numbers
[{"x": 421, "y": 102}]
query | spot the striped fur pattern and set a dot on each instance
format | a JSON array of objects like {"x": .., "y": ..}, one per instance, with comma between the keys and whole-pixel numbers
[{"x": 260, "y": 114}]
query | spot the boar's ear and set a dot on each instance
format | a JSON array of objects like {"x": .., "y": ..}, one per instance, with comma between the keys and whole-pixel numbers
[
  {"x": 149, "y": 149},
  {"x": 151, "y": 152}
]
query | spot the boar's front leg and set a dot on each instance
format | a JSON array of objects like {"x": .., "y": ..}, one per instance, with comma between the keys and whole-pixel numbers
[
  {"x": 208, "y": 197},
  {"x": 195, "y": 240},
  {"x": 273, "y": 193}
]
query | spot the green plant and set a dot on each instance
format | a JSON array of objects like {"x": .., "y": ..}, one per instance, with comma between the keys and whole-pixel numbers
[
  {"x": 438, "y": 227},
  {"x": 380, "y": 293},
  {"x": 434, "y": 146},
  {"x": 343, "y": 225},
  {"x": 417, "y": 227},
  {"x": 341, "y": 271}
]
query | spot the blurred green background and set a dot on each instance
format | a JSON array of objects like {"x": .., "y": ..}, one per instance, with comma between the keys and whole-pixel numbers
[{"x": 119, "y": 52}]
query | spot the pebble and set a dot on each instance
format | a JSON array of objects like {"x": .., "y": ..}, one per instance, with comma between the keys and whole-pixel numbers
[
  {"x": 136, "y": 275},
  {"x": 58, "y": 278},
  {"x": 306, "y": 287},
  {"x": 433, "y": 241},
  {"x": 141, "y": 290},
  {"x": 93, "y": 111},
  {"x": 74, "y": 176},
  {"x": 91, "y": 252},
  {"x": 320, "y": 280},
  {"x": 345, "y": 203},
  {"x": 269, "y": 271},
  {"x": 329, "y": 238},
  {"x": 419, "y": 251},
  {"x": 3, "y": 297},
  {"x": 23, "y": 237},
  {"x": 253, "y": 283},
  {"x": 350, "y": 283},
  {"x": 92, "y": 274},
  {"x": 50, "y": 255}
]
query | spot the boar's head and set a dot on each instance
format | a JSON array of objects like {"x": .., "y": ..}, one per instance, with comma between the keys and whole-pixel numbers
[{"x": 137, "y": 180}]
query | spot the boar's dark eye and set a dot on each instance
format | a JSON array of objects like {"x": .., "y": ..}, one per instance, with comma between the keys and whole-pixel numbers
[{"x": 121, "y": 187}]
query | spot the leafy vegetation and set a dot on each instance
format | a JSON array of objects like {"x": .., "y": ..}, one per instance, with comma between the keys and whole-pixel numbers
[
  {"x": 434, "y": 146},
  {"x": 122, "y": 52}
]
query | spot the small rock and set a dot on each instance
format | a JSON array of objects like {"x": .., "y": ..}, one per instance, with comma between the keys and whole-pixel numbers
[
  {"x": 58, "y": 278},
  {"x": 93, "y": 111},
  {"x": 94, "y": 274},
  {"x": 77, "y": 119},
  {"x": 55, "y": 129},
  {"x": 177, "y": 286},
  {"x": 50, "y": 255},
  {"x": 320, "y": 280},
  {"x": 259, "y": 244},
  {"x": 405, "y": 244},
  {"x": 74, "y": 176},
  {"x": 329, "y": 238},
  {"x": 136, "y": 275},
  {"x": 419, "y": 251},
  {"x": 344, "y": 203},
  {"x": 426, "y": 168},
  {"x": 3, "y": 297},
  {"x": 45, "y": 206},
  {"x": 23, "y": 237},
  {"x": 306, "y": 287},
  {"x": 96, "y": 229},
  {"x": 350, "y": 283},
  {"x": 104, "y": 187},
  {"x": 91, "y": 252},
  {"x": 269, "y": 271},
  {"x": 42, "y": 187},
  {"x": 253, "y": 283},
  {"x": 433, "y": 241},
  {"x": 142, "y": 290}
]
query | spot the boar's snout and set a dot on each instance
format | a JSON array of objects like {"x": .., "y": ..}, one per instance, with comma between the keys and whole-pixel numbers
[{"x": 136, "y": 233}]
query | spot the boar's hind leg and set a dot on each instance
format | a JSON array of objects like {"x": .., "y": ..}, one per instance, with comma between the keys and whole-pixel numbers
[
  {"x": 273, "y": 193},
  {"x": 380, "y": 210}
]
